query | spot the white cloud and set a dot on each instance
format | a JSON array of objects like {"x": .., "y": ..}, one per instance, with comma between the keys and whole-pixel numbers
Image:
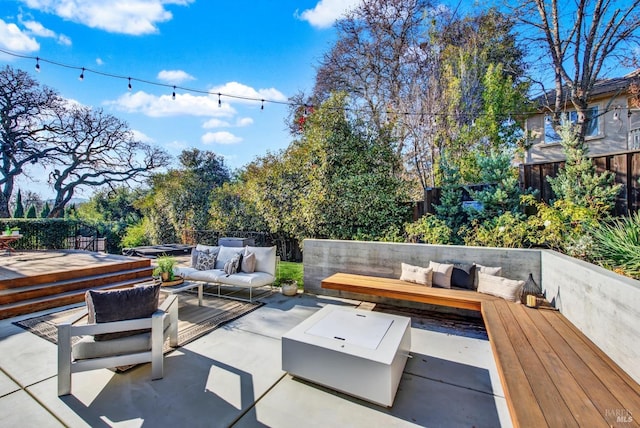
[
  {"x": 244, "y": 121},
  {"x": 141, "y": 136},
  {"x": 326, "y": 12},
  {"x": 177, "y": 145},
  {"x": 221, "y": 137},
  {"x": 215, "y": 123},
  {"x": 164, "y": 105},
  {"x": 13, "y": 39},
  {"x": 235, "y": 89},
  {"x": 37, "y": 29},
  {"x": 64, "y": 40},
  {"x": 133, "y": 17},
  {"x": 99, "y": 61},
  {"x": 174, "y": 77}
]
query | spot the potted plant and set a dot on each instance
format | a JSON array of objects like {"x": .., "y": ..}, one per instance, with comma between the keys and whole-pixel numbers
[
  {"x": 7, "y": 231},
  {"x": 289, "y": 287},
  {"x": 165, "y": 268},
  {"x": 15, "y": 230}
]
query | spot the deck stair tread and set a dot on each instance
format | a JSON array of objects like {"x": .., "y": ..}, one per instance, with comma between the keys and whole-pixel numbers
[
  {"x": 61, "y": 299},
  {"x": 70, "y": 284}
]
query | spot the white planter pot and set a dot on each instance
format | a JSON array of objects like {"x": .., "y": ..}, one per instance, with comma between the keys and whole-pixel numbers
[
  {"x": 289, "y": 288},
  {"x": 15, "y": 232}
]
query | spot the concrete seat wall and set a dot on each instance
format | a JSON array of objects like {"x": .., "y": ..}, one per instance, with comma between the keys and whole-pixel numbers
[{"x": 603, "y": 305}]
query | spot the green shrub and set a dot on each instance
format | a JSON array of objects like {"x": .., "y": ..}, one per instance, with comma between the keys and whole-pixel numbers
[
  {"x": 429, "y": 230},
  {"x": 616, "y": 245},
  {"x": 508, "y": 230},
  {"x": 136, "y": 235}
]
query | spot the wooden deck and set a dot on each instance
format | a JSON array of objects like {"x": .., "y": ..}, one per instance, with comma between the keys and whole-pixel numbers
[
  {"x": 552, "y": 374},
  {"x": 35, "y": 280}
]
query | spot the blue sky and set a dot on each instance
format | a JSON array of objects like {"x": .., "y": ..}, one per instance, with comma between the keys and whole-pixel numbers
[{"x": 259, "y": 49}]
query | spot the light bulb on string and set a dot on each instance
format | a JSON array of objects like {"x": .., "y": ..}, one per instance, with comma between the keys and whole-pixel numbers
[
  {"x": 219, "y": 102},
  {"x": 38, "y": 64},
  {"x": 262, "y": 105},
  {"x": 81, "y": 77},
  {"x": 173, "y": 95},
  {"x": 129, "y": 86}
]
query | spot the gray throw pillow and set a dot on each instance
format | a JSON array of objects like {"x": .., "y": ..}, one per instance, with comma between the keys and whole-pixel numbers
[
  {"x": 121, "y": 304},
  {"x": 233, "y": 265}
]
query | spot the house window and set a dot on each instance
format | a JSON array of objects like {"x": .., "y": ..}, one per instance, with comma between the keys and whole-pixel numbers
[{"x": 593, "y": 130}]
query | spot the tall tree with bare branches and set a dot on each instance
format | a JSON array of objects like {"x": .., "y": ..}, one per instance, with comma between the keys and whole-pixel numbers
[{"x": 582, "y": 40}]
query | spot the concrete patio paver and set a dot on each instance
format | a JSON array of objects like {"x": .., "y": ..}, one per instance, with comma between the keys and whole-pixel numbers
[{"x": 233, "y": 375}]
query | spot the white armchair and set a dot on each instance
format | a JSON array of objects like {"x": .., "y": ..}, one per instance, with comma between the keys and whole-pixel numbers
[{"x": 94, "y": 352}]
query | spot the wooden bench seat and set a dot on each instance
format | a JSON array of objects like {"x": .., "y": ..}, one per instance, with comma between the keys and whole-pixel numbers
[{"x": 552, "y": 374}]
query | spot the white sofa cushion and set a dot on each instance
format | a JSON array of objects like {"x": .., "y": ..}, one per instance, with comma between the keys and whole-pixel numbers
[
  {"x": 265, "y": 259},
  {"x": 255, "y": 279},
  {"x": 225, "y": 254}
]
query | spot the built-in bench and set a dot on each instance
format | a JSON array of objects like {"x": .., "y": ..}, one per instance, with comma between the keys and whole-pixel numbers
[{"x": 552, "y": 374}]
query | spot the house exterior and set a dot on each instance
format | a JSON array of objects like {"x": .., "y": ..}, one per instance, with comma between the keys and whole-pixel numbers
[{"x": 613, "y": 122}]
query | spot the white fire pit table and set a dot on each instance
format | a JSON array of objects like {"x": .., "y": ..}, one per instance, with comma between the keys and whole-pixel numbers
[{"x": 360, "y": 353}]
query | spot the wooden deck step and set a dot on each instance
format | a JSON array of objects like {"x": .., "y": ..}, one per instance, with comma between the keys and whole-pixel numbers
[
  {"x": 16, "y": 294},
  {"x": 61, "y": 299},
  {"x": 62, "y": 274}
]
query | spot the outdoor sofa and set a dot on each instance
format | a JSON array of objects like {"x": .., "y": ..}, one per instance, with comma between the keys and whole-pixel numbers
[{"x": 255, "y": 268}]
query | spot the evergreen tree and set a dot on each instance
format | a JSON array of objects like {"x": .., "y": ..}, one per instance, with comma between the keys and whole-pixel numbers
[
  {"x": 502, "y": 193},
  {"x": 46, "y": 209},
  {"x": 450, "y": 207},
  {"x": 19, "y": 211},
  {"x": 31, "y": 212},
  {"x": 578, "y": 182}
]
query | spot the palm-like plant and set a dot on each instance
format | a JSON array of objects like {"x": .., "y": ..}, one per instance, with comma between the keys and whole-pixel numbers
[{"x": 616, "y": 245}]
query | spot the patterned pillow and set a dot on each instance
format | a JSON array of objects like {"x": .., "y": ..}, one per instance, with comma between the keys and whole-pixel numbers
[
  {"x": 232, "y": 265},
  {"x": 441, "y": 274},
  {"x": 248, "y": 262},
  {"x": 416, "y": 274},
  {"x": 206, "y": 261}
]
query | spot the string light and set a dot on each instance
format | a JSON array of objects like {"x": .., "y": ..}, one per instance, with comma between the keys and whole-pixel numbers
[
  {"x": 173, "y": 95},
  {"x": 420, "y": 114}
]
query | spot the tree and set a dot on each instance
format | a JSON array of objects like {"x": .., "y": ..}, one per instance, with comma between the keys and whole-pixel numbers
[
  {"x": 26, "y": 109},
  {"x": 599, "y": 35},
  {"x": 416, "y": 71},
  {"x": 31, "y": 212},
  {"x": 578, "y": 183},
  {"x": 450, "y": 208},
  {"x": 96, "y": 149},
  {"x": 19, "y": 211},
  {"x": 180, "y": 198},
  {"x": 502, "y": 192},
  {"x": 46, "y": 210}
]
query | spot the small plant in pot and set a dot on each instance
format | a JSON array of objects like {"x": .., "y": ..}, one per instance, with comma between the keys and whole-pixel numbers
[
  {"x": 289, "y": 286},
  {"x": 165, "y": 268},
  {"x": 15, "y": 230},
  {"x": 7, "y": 231}
]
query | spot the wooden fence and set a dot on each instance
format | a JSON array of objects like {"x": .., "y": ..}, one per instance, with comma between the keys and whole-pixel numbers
[{"x": 625, "y": 166}]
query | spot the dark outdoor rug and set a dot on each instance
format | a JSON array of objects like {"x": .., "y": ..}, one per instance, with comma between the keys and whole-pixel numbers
[{"x": 193, "y": 321}]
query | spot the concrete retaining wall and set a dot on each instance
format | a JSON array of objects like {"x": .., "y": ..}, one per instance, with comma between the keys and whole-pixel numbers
[
  {"x": 323, "y": 258},
  {"x": 603, "y": 305}
]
